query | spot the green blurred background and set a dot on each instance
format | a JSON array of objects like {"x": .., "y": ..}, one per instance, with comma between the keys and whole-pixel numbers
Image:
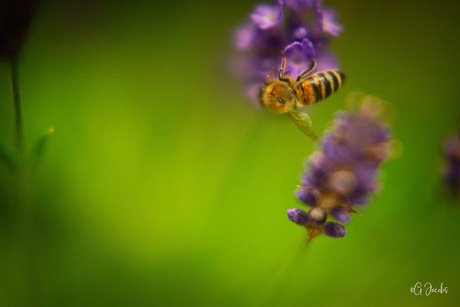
[{"x": 162, "y": 185}]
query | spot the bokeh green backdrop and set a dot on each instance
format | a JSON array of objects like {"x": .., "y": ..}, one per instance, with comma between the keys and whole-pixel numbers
[{"x": 163, "y": 186}]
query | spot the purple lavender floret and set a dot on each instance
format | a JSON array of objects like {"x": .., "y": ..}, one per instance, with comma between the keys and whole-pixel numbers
[
  {"x": 308, "y": 197},
  {"x": 343, "y": 174},
  {"x": 302, "y": 29},
  {"x": 340, "y": 215},
  {"x": 451, "y": 171},
  {"x": 300, "y": 55},
  {"x": 315, "y": 222},
  {"x": 298, "y": 216},
  {"x": 334, "y": 230}
]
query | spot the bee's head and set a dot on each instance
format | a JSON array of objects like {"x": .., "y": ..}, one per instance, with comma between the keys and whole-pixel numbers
[{"x": 278, "y": 96}]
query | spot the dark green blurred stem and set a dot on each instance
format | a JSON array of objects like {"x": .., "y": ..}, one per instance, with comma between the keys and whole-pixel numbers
[
  {"x": 17, "y": 108},
  {"x": 26, "y": 240},
  {"x": 25, "y": 230}
]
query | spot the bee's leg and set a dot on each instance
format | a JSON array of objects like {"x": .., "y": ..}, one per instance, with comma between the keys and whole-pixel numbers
[
  {"x": 307, "y": 71},
  {"x": 283, "y": 67}
]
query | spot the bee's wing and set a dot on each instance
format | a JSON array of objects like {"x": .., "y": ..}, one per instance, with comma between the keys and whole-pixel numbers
[{"x": 303, "y": 121}]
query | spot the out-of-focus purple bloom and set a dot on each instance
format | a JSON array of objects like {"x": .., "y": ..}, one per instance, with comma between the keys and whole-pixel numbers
[
  {"x": 298, "y": 55},
  {"x": 298, "y": 5},
  {"x": 244, "y": 36},
  {"x": 300, "y": 28},
  {"x": 451, "y": 171},
  {"x": 343, "y": 174},
  {"x": 330, "y": 24},
  {"x": 266, "y": 16}
]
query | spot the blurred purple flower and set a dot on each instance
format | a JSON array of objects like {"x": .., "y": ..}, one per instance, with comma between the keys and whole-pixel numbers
[
  {"x": 297, "y": 5},
  {"x": 298, "y": 55},
  {"x": 451, "y": 172},
  {"x": 266, "y": 16},
  {"x": 330, "y": 24},
  {"x": 300, "y": 28},
  {"x": 343, "y": 174}
]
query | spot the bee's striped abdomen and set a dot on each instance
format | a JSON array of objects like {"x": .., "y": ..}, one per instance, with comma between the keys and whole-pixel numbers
[{"x": 319, "y": 86}]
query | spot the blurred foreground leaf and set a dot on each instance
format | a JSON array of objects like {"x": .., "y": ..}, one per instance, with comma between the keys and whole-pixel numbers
[
  {"x": 39, "y": 148},
  {"x": 7, "y": 157}
]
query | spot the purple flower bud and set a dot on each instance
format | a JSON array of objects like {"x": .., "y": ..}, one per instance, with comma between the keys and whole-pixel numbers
[
  {"x": 316, "y": 159},
  {"x": 308, "y": 197},
  {"x": 334, "y": 230},
  {"x": 298, "y": 216},
  {"x": 339, "y": 214}
]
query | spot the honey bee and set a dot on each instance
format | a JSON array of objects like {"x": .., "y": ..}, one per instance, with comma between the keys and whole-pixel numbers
[{"x": 287, "y": 96}]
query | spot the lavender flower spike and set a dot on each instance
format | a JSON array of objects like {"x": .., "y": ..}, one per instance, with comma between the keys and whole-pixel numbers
[
  {"x": 272, "y": 29},
  {"x": 343, "y": 174}
]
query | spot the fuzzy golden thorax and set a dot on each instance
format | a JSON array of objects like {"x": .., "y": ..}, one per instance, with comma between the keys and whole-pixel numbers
[{"x": 278, "y": 96}]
